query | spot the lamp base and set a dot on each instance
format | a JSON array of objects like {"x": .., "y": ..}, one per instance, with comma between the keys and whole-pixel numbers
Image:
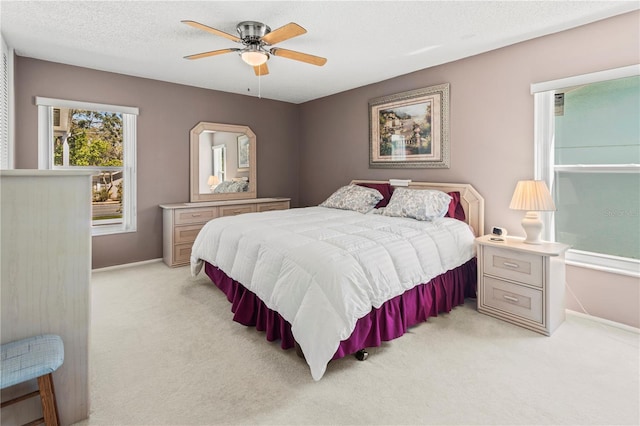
[{"x": 532, "y": 226}]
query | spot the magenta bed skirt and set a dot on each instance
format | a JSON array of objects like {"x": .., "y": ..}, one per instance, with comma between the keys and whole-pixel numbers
[{"x": 388, "y": 322}]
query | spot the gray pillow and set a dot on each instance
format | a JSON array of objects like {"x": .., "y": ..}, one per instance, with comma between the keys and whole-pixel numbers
[
  {"x": 421, "y": 204},
  {"x": 353, "y": 197},
  {"x": 231, "y": 186}
]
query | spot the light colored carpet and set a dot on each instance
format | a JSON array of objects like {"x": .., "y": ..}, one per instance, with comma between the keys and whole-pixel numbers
[{"x": 164, "y": 350}]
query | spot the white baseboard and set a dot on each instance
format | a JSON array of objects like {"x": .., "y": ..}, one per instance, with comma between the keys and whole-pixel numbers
[
  {"x": 126, "y": 265},
  {"x": 604, "y": 321}
]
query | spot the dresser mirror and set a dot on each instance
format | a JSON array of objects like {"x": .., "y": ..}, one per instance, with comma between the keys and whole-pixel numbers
[{"x": 223, "y": 162}]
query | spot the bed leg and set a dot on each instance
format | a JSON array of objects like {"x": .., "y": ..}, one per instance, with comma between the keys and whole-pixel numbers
[{"x": 361, "y": 355}]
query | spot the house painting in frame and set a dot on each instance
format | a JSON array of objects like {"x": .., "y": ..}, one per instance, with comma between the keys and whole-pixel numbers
[
  {"x": 243, "y": 152},
  {"x": 410, "y": 129}
]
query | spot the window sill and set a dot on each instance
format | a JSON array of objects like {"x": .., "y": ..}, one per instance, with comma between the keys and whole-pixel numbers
[
  {"x": 605, "y": 263},
  {"x": 110, "y": 230}
]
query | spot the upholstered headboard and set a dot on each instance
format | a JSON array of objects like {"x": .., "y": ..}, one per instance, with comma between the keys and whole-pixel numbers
[{"x": 471, "y": 200}]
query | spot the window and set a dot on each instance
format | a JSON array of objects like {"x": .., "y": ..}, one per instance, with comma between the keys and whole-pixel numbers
[
  {"x": 102, "y": 139},
  {"x": 588, "y": 152}
]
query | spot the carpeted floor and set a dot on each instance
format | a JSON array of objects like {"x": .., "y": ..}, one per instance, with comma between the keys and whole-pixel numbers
[{"x": 164, "y": 351}]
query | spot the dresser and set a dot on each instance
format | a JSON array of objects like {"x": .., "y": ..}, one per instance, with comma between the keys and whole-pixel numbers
[
  {"x": 182, "y": 222},
  {"x": 523, "y": 284}
]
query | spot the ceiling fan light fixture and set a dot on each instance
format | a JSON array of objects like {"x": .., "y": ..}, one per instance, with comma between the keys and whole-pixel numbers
[
  {"x": 257, "y": 39},
  {"x": 254, "y": 58}
]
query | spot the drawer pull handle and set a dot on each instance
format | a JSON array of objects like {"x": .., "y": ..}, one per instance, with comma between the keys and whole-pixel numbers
[
  {"x": 510, "y": 265},
  {"x": 510, "y": 298},
  {"x": 196, "y": 214}
]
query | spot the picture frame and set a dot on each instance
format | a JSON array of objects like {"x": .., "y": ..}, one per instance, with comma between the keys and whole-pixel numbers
[
  {"x": 243, "y": 152},
  {"x": 410, "y": 129}
]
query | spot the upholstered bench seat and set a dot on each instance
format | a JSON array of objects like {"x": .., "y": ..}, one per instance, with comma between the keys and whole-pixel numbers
[
  {"x": 33, "y": 358},
  {"x": 30, "y": 358}
]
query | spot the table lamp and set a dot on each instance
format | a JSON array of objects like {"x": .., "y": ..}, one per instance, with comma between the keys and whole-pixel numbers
[
  {"x": 532, "y": 196},
  {"x": 213, "y": 182}
]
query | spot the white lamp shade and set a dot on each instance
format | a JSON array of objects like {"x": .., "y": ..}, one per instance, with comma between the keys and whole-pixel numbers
[
  {"x": 213, "y": 180},
  {"x": 532, "y": 195}
]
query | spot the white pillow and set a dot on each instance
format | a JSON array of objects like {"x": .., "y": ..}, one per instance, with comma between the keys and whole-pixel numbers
[
  {"x": 421, "y": 204},
  {"x": 353, "y": 197}
]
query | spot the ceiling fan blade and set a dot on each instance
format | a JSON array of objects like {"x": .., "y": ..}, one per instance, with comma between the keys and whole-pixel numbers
[
  {"x": 261, "y": 69},
  {"x": 208, "y": 29},
  {"x": 211, "y": 53},
  {"x": 283, "y": 33},
  {"x": 298, "y": 56}
]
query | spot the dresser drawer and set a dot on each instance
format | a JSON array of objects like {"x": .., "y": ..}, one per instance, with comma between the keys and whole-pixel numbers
[
  {"x": 186, "y": 234},
  {"x": 515, "y": 299},
  {"x": 197, "y": 215},
  {"x": 182, "y": 253},
  {"x": 510, "y": 264},
  {"x": 237, "y": 209},
  {"x": 279, "y": 205}
]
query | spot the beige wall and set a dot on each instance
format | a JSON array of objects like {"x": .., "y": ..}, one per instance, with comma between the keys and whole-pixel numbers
[
  {"x": 167, "y": 113},
  {"x": 306, "y": 151},
  {"x": 604, "y": 295},
  {"x": 491, "y": 131}
]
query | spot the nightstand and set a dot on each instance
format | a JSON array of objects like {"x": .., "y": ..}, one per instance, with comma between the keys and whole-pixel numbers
[{"x": 523, "y": 284}]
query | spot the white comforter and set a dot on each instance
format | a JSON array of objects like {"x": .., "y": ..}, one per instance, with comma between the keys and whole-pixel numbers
[{"x": 322, "y": 269}]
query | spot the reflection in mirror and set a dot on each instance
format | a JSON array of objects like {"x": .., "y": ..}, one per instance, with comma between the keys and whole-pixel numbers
[
  {"x": 223, "y": 165},
  {"x": 215, "y": 148},
  {"x": 219, "y": 164}
]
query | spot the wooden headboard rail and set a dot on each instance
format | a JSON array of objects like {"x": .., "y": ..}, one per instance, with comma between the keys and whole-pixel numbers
[{"x": 471, "y": 200}]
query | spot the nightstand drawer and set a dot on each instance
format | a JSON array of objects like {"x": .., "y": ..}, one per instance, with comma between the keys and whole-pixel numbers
[
  {"x": 197, "y": 215},
  {"x": 510, "y": 264},
  {"x": 515, "y": 299},
  {"x": 239, "y": 209}
]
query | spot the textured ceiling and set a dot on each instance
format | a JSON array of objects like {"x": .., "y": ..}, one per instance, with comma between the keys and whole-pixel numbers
[{"x": 364, "y": 42}]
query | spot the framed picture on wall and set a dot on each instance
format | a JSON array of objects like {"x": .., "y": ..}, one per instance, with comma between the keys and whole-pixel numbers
[
  {"x": 243, "y": 152},
  {"x": 410, "y": 129}
]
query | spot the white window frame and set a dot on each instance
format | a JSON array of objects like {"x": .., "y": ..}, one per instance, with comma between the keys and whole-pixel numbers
[
  {"x": 7, "y": 147},
  {"x": 544, "y": 133},
  {"x": 129, "y": 124}
]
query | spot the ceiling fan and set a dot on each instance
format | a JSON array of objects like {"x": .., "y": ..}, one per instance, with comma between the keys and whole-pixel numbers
[{"x": 257, "y": 39}]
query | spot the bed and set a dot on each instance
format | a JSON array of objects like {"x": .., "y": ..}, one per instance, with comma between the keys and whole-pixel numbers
[{"x": 333, "y": 279}]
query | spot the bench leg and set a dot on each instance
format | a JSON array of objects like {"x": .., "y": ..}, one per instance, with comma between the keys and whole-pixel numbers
[{"x": 48, "y": 398}]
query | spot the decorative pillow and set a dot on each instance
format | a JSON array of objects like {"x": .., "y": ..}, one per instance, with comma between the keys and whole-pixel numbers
[
  {"x": 384, "y": 188},
  {"x": 336, "y": 196},
  {"x": 353, "y": 197},
  {"x": 243, "y": 185},
  {"x": 231, "y": 186},
  {"x": 421, "y": 204},
  {"x": 455, "y": 207},
  {"x": 222, "y": 187}
]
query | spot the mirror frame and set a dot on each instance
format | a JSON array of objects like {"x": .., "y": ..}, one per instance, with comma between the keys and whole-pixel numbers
[{"x": 194, "y": 144}]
